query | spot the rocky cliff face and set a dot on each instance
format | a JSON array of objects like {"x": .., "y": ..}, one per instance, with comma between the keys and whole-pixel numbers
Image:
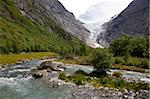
[
  {"x": 134, "y": 20},
  {"x": 49, "y": 12}
]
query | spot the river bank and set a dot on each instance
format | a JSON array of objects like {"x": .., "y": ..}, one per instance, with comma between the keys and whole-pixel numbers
[
  {"x": 12, "y": 59},
  {"x": 16, "y": 82},
  {"x": 89, "y": 91},
  {"x": 7, "y": 60}
]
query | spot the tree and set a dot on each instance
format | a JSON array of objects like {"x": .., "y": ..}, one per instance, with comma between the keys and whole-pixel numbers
[
  {"x": 101, "y": 61},
  {"x": 130, "y": 46},
  {"x": 121, "y": 46},
  {"x": 140, "y": 47}
]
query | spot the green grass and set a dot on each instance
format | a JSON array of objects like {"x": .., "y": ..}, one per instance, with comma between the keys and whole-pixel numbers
[
  {"x": 77, "y": 78},
  {"x": 130, "y": 68},
  {"x": 13, "y": 58},
  {"x": 68, "y": 61},
  {"x": 131, "y": 63},
  {"x": 120, "y": 83},
  {"x": 80, "y": 60}
]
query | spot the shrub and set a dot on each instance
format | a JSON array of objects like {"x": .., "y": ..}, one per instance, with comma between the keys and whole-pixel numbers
[
  {"x": 62, "y": 76},
  {"x": 134, "y": 46},
  {"x": 119, "y": 60},
  {"x": 119, "y": 83},
  {"x": 133, "y": 61},
  {"x": 140, "y": 47},
  {"x": 101, "y": 61},
  {"x": 121, "y": 46},
  {"x": 138, "y": 62},
  {"x": 79, "y": 79},
  {"x": 138, "y": 86},
  {"x": 80, "y": 72},
  {"x": 85, "y": 60},
  {"x": 145, "y": 64}
]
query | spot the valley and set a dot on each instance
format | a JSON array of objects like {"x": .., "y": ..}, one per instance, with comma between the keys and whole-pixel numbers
[
  {"x": 16, "y": 82},
  {"x": 47, "y": 53}
]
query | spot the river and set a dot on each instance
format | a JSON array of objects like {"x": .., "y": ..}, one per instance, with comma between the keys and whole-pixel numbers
[{"x": 17, "y": 83}]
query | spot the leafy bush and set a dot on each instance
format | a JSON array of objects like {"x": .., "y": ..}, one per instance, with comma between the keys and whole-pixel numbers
[
  {"x": 112, "y": 82},
  {"x": 132, "y": 61},
  {"x": 140, "y": 47},
  {"x": 119, "y": 83},
  {"x": 138, "y": 86},
  {"x": 145, "y": 64},
  {"x": 121, "y": 46},
  {"x": 119, "y": 60},
  {"x": 138, "y": 62},
  {"x": 101, "y": 61},
  {"x": 122, "y": 84},
  {"x": 62, "y": 76},
  {"x": 80, "y": 72},
  {"x": 134, "y": 46},
  {"x": 85, "y": 60},
  {"x": 79, "y": 79}
]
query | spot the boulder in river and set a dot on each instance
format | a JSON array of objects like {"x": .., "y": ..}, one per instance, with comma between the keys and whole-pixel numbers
[
  {"x": 46, "y": 65},
  {"x": 39, "y": 73},
  {"x": 51, "y": 65}
]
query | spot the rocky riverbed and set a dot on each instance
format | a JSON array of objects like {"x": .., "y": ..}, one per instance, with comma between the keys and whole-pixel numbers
[
  {"x": 16, "y": 82},
  {"x": 89, "y": 92}
]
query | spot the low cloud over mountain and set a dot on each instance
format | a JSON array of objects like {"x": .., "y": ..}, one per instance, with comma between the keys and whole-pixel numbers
[{"x": 103, "y": 11}]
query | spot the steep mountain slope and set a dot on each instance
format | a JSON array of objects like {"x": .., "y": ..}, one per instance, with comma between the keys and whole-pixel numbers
[
  {"x": 33, "y": 30},
  {"x": 43, "y": 10},
  {"x": 134, "y": 20}
]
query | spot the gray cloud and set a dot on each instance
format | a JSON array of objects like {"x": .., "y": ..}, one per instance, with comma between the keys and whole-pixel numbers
[
  {"x": 94, "y": 13},
  {"x": 103, "y": 11}
]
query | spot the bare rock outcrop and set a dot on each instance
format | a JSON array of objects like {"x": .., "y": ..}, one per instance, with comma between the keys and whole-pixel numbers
[{"x": 134, "y": 21}]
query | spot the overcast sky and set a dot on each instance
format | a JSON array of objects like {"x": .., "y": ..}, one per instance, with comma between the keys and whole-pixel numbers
[{"x": 90, "y": 11}]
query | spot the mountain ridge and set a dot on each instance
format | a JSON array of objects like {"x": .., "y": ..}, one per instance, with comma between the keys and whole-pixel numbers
[{"x": 134, "y": 21}]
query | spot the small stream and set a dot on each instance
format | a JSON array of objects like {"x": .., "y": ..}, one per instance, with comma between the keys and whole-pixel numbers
[{"x": 17, "y": 83}]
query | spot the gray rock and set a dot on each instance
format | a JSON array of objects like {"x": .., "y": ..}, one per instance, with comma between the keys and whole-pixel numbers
[
  {"x": 137, "y": 93},
  {"x": 130, "y": 97},
  {"x": 106, "y": 88},
  {"x": 46, "y": 65},
  {"x": 19, "y": 62},
  {"x": 133, "y": 94},
  {"x": 125, "y": 96},
  {"x": 113, "y": 94},
  {"x": 39, "y": 73},
  {"x": 104, "y": 95},
  {"x": 125, "y": 90},
  {"x": 120, "y": 93}
]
